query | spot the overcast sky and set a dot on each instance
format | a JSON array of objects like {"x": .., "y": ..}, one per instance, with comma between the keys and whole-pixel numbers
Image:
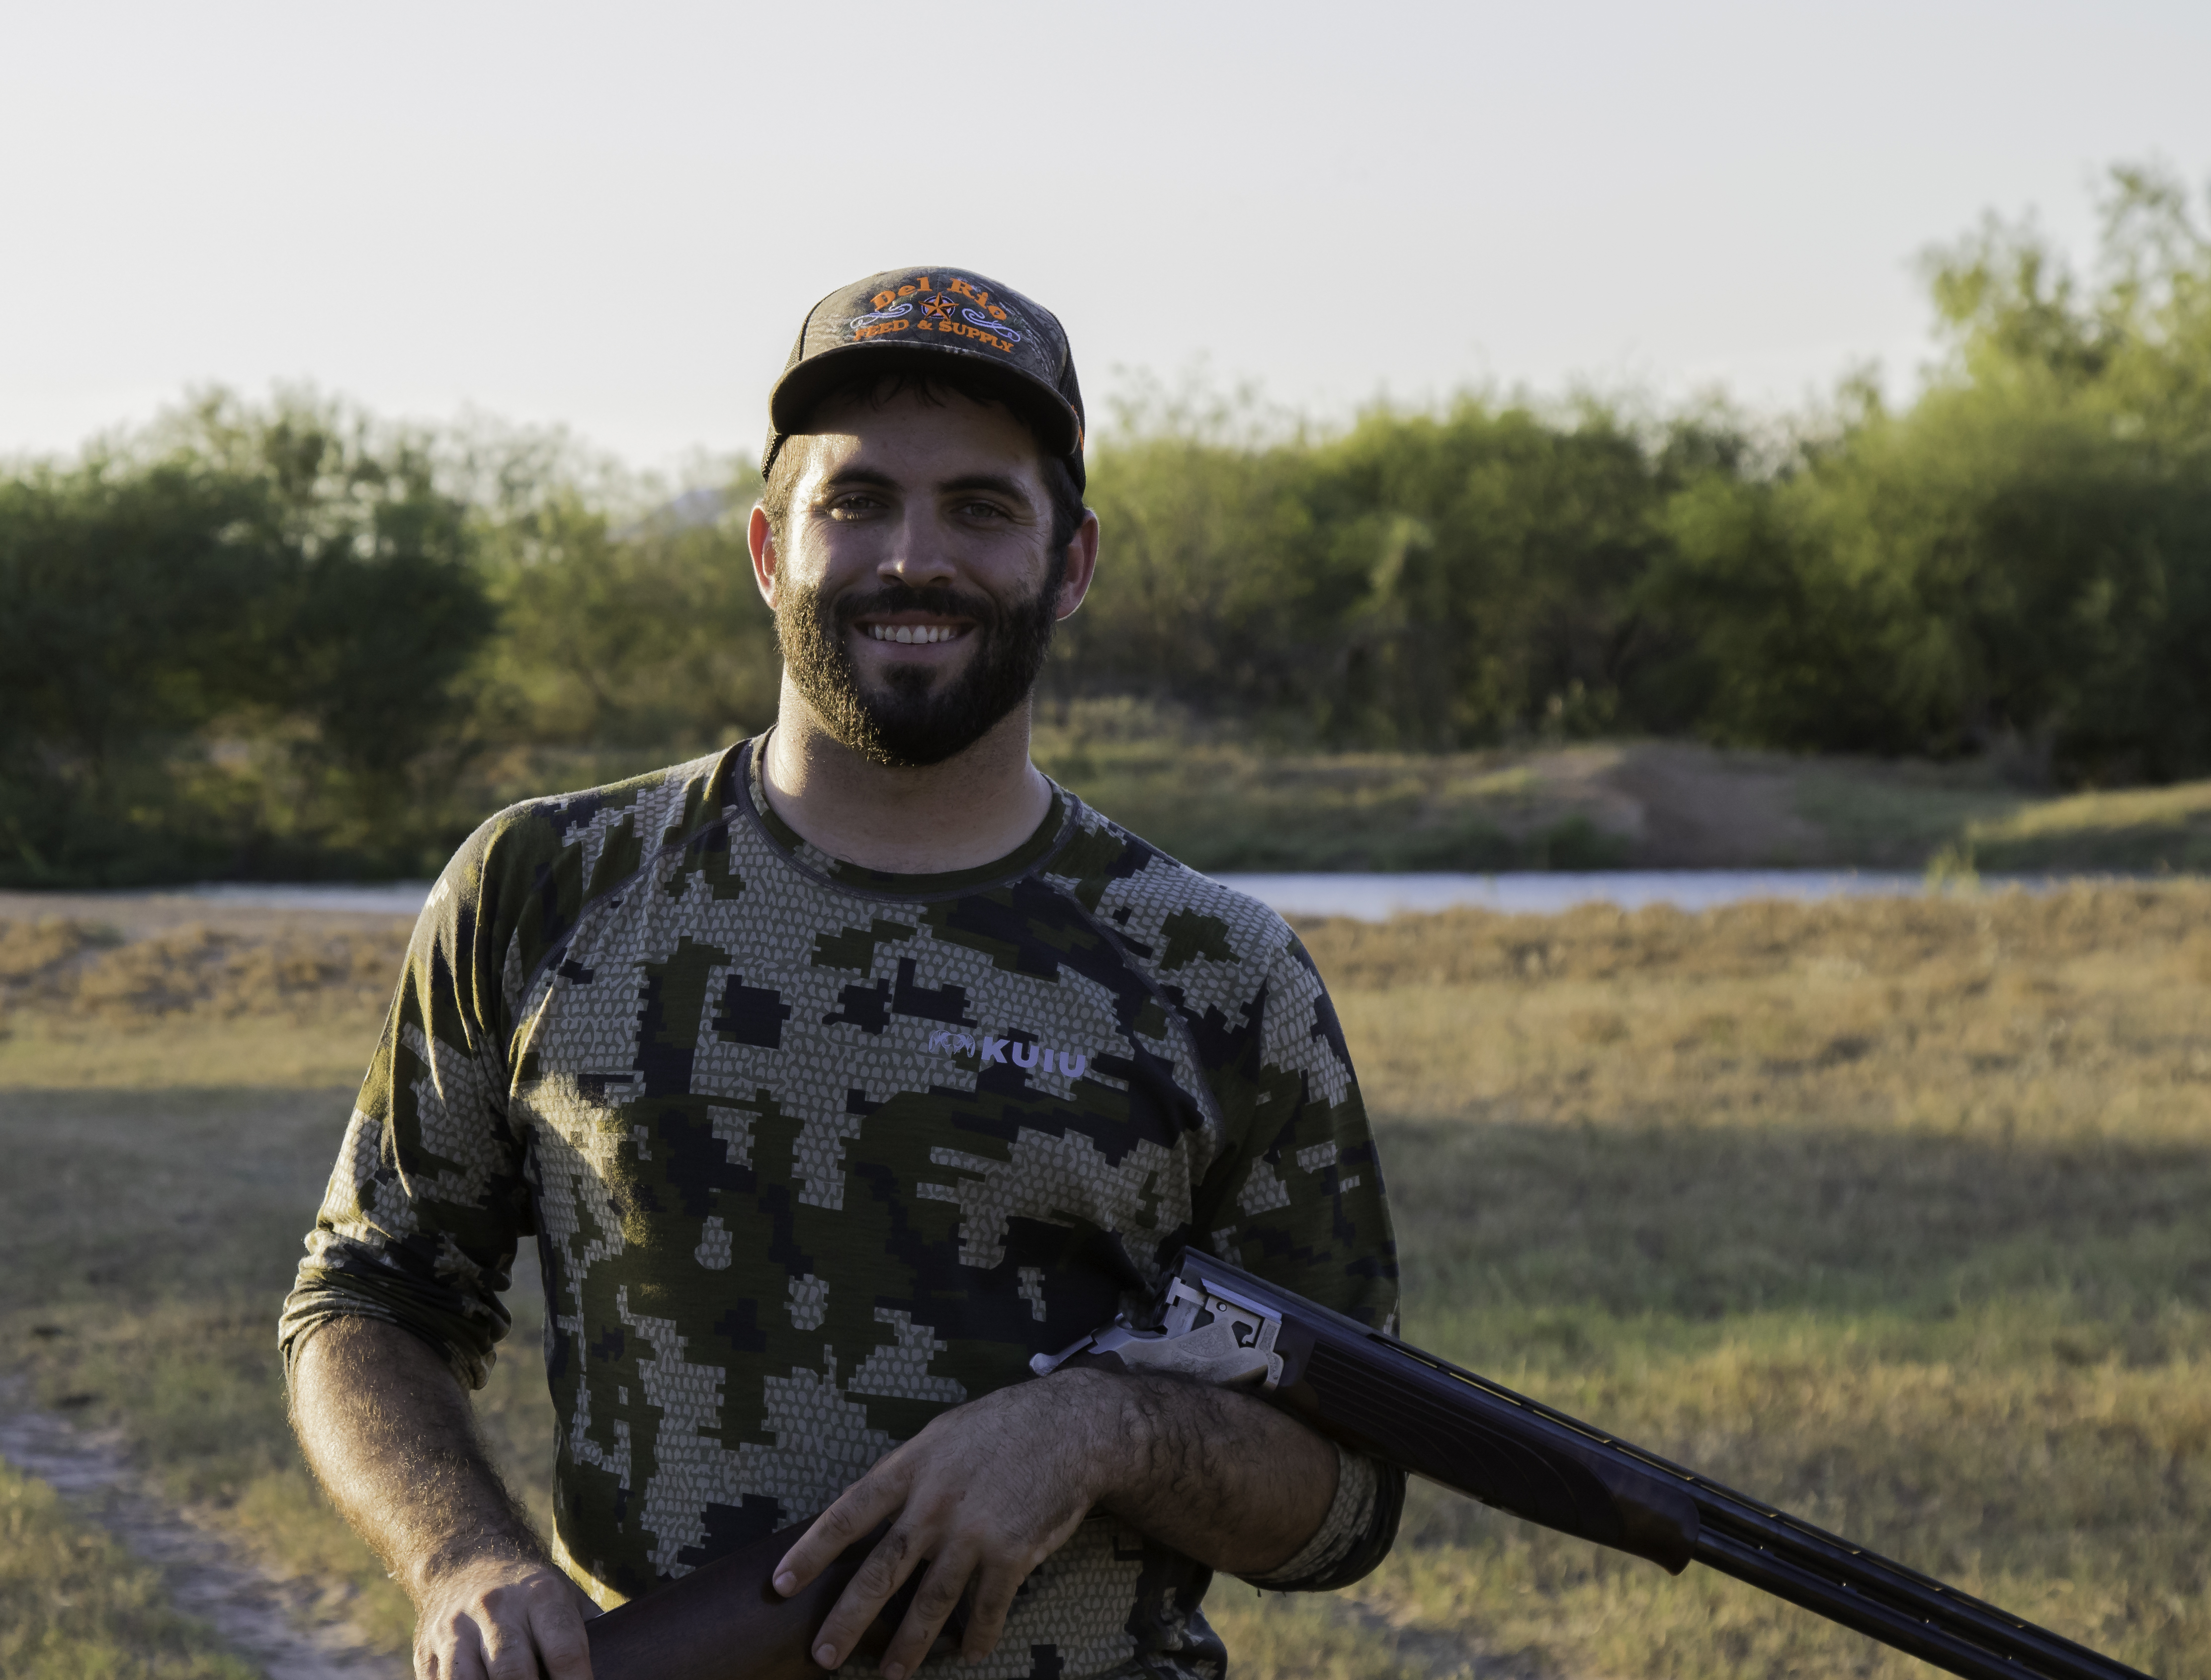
[{"x": 615, "y": 216}]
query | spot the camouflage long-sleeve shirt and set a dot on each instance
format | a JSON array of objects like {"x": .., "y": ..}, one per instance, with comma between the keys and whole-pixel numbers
[{"x": 812, "y": 1153}]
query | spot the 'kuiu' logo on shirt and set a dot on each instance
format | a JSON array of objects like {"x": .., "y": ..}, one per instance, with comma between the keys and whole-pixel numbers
[{"x": 988, "y": 1049}]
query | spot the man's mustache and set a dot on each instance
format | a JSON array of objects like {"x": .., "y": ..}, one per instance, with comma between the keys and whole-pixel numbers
[{"x": 943, "y": 601}]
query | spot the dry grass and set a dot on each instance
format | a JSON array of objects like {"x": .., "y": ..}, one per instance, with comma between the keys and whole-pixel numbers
[
  {"x": 2065, "y": 1015},
  {"x": 83, "y": 1008},
  {"x": 84, "y": 974},
  {"x": 2132, "y": 829},
  {"x": 1890, "y": 1211}
]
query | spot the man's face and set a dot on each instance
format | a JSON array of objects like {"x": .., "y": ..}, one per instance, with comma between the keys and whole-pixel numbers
[{"x": 917, "y": 588}]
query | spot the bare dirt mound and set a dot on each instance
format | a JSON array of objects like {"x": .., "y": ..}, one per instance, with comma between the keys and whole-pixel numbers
[{"x": 1701, "y": 808}]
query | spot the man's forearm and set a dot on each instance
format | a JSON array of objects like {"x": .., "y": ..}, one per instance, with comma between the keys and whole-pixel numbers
[
  {"x": 390, "y": 1433},
  {"x": 392, "y": 1438},
  {"x": 1219, "y": 1476}
]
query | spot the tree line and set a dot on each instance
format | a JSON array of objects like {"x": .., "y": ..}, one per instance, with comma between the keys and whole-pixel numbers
[{"x": 287, "y": 639}]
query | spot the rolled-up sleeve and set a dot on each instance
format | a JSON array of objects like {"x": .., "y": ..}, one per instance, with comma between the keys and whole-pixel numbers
[
  {"x": 426, "y": 1203},
  {"x": 1353, "y": 1537}
]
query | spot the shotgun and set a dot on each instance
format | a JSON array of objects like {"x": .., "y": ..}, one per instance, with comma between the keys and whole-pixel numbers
[{"x": 1386, "y": 1398}]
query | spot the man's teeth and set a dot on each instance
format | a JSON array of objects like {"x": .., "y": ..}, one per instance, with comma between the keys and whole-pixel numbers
[{"x": 916, "y": 632}]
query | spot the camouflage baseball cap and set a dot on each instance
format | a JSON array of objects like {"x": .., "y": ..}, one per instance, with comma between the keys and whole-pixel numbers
[{"x": 951, "y": 321}]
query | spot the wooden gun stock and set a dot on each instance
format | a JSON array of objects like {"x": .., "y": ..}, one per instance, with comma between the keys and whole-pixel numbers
[{"x": 725, "y": 1620}]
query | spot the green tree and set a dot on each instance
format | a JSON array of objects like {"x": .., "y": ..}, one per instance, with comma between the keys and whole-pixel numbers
[
  {"x": 130, "y": 602},
  {"x": 1205, "y": 592},
  {"x": 282, "y": 584},
  {"x": 1421, "y": 580},
  {"x": 642, "y": 632},
  {"x": 2023, "y": 553}
]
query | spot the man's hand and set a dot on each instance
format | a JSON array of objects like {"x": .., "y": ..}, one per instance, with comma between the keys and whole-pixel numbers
[
  {"x": 501, "y": 1619},
  {"x": 989, "y": 1489},
  {"x": 986, "y": 1492}
]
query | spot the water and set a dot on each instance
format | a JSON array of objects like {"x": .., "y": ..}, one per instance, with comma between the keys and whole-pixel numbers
[
  {"x": 1375, "y": 898},
  {"x": 1369, "y": 897},
  {"x": 395, "y": 898}
]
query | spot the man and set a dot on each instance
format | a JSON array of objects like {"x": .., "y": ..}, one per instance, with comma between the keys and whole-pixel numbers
[{"x": 836, "y": 1074}]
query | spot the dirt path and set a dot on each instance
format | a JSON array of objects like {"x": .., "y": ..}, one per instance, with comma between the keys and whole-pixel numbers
[{"x": 271, "y": 1623}]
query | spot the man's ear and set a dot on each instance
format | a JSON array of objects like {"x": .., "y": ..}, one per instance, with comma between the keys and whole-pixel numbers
[
  {"x": 1081, "y": 566},
  {"x": 760, "y": 538}
]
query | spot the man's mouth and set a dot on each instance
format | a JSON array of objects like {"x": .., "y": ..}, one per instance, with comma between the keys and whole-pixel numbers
[{"x": 916, "y": 632}]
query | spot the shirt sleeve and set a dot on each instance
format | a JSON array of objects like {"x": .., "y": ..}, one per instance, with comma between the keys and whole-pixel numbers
[
  {"x": 1297, "y": 1197},
  {"x": 1355, "y": 1535},
  {"x": 1299, "y": 1201},
  {"x": 419, "y": 1224}
]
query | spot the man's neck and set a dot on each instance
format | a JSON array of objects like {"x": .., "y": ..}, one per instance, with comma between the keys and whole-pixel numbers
[{"x": 969, "y": 810}]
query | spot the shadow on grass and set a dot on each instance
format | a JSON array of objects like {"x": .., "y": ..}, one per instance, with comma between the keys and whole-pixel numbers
[
  {"x": 1553, "y": 1226},
  {"x": 128, "y": 1195}
]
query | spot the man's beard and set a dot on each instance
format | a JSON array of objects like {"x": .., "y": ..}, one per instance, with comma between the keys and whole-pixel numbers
[{"x": 903, "y": 724}]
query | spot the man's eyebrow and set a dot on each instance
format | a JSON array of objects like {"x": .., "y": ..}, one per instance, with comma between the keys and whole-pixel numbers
[
  {"x": 845, "y": 477},
  {"x": 996, "y": 483}
]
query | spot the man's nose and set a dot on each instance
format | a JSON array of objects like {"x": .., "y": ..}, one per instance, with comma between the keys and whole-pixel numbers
[{"x": 918, "y": 553}]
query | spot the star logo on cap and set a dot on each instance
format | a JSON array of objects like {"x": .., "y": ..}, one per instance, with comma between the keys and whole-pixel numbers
[{"x": 939, "y": 305}]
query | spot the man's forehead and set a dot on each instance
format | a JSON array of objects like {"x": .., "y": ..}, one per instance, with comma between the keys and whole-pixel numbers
[{"x": 910, "y": 437}]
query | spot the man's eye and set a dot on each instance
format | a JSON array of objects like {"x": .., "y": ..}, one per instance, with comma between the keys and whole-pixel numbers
[
  {"x": 983, "y": 510},
  {"x": 847, "y": 508}
]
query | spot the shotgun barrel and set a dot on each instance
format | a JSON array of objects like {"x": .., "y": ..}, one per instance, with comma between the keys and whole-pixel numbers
[{"x": 1392, "y": 1401}]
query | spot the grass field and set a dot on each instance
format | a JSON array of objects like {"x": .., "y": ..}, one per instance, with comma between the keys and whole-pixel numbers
[{"x": 1889, "y": 1210}]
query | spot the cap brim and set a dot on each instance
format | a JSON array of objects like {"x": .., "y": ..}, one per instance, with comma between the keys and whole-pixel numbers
[{"x": 1048, "y": 412}]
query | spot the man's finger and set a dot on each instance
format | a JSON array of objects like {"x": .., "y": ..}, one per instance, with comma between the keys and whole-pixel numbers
[
  {"x": 895, "y": 1557},
  {"x": 987, "y": 1614},
  {"x": 452, "y": 1652},
  {"x": 509, "y": 1652},
  {"x": 557, "y": 1626},
  {"x": 853, "y": 1517},
  {"x": 939, "y": 1596}
]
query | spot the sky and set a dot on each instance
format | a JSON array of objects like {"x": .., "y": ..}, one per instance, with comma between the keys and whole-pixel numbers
[{"x": 613, "y": 218}]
